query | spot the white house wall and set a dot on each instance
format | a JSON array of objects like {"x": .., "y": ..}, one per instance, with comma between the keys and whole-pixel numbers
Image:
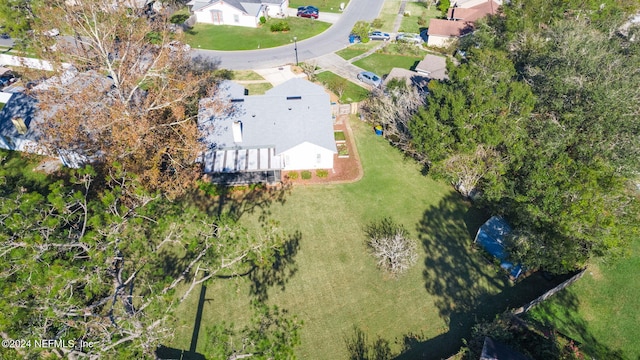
[
  {"x": 439, "y": 41},
  {"x": 274, "y": 10},
  {"x": 228, "y": 16},
  {"x": 307, "y": 156}
]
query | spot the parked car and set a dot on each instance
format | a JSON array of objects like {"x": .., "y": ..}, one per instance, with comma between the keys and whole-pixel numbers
[
  {"x": 370, "y": 78},
  {"x": 308, "y": 8},
  {"x": 379, "y": 35},
  {"x": 410, "y": 38},
  {"x": 308, "y": 14}
]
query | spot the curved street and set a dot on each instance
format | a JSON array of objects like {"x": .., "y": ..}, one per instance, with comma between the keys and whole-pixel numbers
[{"x": 334, "y": 39}]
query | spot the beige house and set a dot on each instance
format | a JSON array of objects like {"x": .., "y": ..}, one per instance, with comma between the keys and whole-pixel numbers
[{"x": 460, "y": 21}]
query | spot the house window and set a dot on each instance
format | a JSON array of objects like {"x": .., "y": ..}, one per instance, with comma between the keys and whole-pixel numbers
[
  {"x": 319, "y": 158},
  {"x": 236, "y": 18}
]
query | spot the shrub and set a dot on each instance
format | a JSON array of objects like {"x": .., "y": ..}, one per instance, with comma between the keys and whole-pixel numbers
[
  {"x": 322, "y": 173},
  {"x": 293, "y": 175},
  {"x": 343, "y": 150},
  {"x": 280, "y": 26},
  {"x": 389, "y": 244},
  {"x": 263, "y": 19},
  {"x": 306, "y": 175},
  {"x": 178, "y": 18},
  {"x": 339, "y": 136},
  {"x": 377, "y": 23},
  {"x": 208, "y": 188}
]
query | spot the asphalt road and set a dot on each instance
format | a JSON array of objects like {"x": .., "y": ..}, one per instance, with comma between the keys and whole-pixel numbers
[{"x": 334, "y": 39}]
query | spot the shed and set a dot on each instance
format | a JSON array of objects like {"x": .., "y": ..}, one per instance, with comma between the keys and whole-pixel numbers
[{"x": 491, "y": 236}]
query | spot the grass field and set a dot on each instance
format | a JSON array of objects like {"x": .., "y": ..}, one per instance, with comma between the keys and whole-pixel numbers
[
  {"x": 601, "y": 310},
  {"x": 335, "y": 285},
  {"x": 352, "y": 93},
  {"x": 322, "y": 5},
  {"x": 382, "y": 64},
  {"x": 417, "y": 10},
  {"x": 228, "y": 37},
  {"x": 388, "y": 14},
  {"x": 356, "y": 49}
]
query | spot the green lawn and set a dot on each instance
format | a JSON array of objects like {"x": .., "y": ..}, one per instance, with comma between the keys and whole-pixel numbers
[
  {"x": 352, "y": 93},
  {"x": 246, "y": 75},
  {"x": 258, "y": 89},
  {"x": 356, "y": 49},
  {"x": 382, "y": 64},
  {"x": 601, "y": 309},
  {"x": 322, "y": 5},
  {"x": 388, "y": 14},
  {"x": 417, "y": 10},
  {"x": 336, "y": 284},
  {"x": 228, "y": 37}
]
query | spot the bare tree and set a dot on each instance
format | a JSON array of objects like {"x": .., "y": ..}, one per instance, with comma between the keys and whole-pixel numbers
[
  {"x": 468, "y": 170},
  {"x": 389, "y": 244},
  {"x": 394, "y": 109}
]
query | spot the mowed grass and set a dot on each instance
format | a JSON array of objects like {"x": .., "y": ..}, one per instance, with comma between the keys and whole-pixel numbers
[
  {"x": 322, "y": 5},
  {"x": 388, "y": 14},
  {"x": 356, "y": 49},
  {"x": 417, "y": 10},
  {"x": 228, "y": 37},
  {"x": 601, "y": 310},
  {"x": 382, "y": 64},
  {"x": 336, "y": 284},
  {"x": 352, "y": 93}
]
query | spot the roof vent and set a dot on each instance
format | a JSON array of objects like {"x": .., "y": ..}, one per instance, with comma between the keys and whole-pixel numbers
[
  {"x": 237, "y": 100},
  {"x": 294, "y": 97},
  {"x": 20, "y": 125}
]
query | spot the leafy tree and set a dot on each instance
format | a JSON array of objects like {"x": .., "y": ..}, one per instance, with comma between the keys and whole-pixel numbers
[
  {"x": 101, "y": 265},
  {"x": 361, "y": 28},
  {"x": 479, "y": 114},
  {"x": 443, "y": 6},
  {"x": 17, "y": 16}
]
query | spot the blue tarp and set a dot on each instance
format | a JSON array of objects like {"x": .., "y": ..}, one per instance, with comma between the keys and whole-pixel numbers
[{"x": 491, "y": 237}]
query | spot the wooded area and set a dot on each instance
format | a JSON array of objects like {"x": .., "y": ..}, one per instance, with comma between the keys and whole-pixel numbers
[{"x": 539, "y": 122}]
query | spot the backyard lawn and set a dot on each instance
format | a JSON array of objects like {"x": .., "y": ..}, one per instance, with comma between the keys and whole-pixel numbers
[
  {"x": 417, "y": 10},
  {"x": 601, "y": 310},
  {"x": 335, "y": 284},
  {"x": 227, "y": 37}
]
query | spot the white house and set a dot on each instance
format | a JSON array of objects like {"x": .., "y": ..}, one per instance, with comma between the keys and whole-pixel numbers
[
  {"x": 288, "y": 128},
  {"x": 236, "y": 12}
]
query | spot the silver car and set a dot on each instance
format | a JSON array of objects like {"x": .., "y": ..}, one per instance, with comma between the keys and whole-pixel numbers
[
  {"x": 379, "y": 35},
  {"x": 410, "y": 38},
  {"x": 370, "y": 78}
]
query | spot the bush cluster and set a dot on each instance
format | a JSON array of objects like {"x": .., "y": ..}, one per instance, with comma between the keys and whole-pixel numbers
[{"x": 280, "y": 26}]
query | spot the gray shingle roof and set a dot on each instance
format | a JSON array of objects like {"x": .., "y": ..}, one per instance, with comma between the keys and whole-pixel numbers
[
  {"x": 288, "y": 115},
  {"x": 25, "y": 107},
  {"x": 248, "y": 6}
]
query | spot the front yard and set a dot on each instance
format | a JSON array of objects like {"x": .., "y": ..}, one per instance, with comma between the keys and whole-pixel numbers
[{"x": 228, "y": 37}]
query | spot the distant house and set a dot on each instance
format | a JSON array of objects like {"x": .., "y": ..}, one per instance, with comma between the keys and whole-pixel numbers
[
  {"x": 433, "y": 67},
  {"x": 491, "y": 236},
  {"x": 290, "y": 127},
  {"x": 236, "y": 12},
  {"x": 460, "y": 21},
  {"x": 410, "y": 77}
]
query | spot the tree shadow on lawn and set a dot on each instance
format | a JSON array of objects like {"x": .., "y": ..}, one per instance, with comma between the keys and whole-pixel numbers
[
  {"x": 561, "y": 313},
  {"x": 238, "y": 201},
  {"x": 467, "y": 289},
  {"x": 279, "y": 272}
]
